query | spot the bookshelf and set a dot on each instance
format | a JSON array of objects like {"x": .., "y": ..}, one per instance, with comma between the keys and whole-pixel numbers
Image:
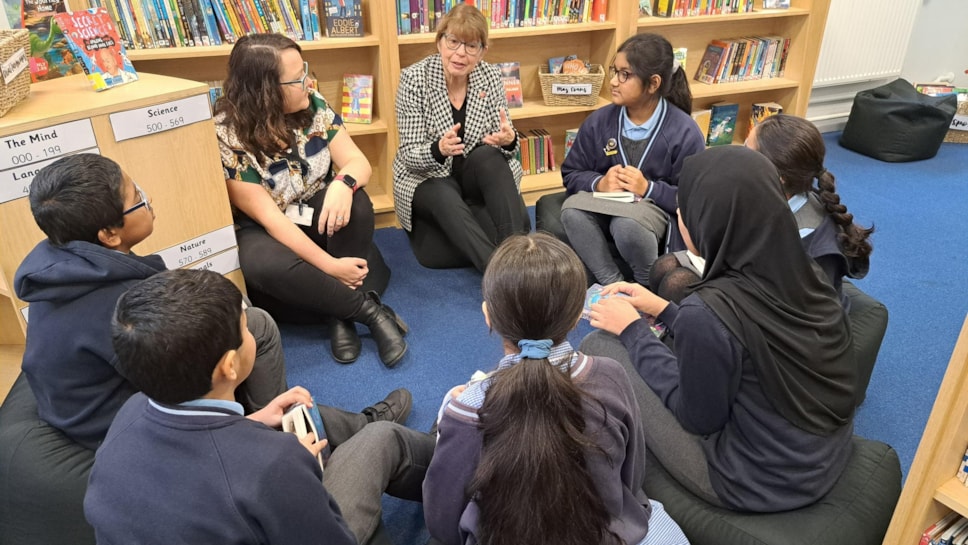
[
  {"x": 931, "y": 489},
  {"x": 383, "y": 53},
  {"x": 188, "y": 195}
]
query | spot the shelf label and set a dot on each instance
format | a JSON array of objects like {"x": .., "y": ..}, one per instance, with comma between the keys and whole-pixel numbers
[
  {"x": 190, "y": 252},
  {"x": 571, "y": 88},
  {"x": 19, "y": 150},
  {"x": 222, "y": 263},
  {"x": 160, "y": 118},
  {"x": 12, "y": 67},
  {"x": 959, "y": 123},
  {"x": 15, "y": 182}
]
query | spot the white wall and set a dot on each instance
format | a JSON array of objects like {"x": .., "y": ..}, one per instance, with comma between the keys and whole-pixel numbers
[{"x": 939, "y": 43}]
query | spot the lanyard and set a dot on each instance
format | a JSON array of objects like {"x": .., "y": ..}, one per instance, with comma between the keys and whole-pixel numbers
[{"x": 661, "y": 112}]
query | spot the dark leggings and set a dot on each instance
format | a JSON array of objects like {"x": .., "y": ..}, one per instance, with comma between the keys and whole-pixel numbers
[
  {"x": 670, "y": 280},
  {"x": 290, "y": 288},
  {"x": 459, "y": 220}
]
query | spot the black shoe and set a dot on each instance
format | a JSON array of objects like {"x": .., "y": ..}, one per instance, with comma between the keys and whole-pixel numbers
[
  {"x": 394, "y": 408},
  {"x": 344, "y": 341},
  {"x": 386, "y": 327}
]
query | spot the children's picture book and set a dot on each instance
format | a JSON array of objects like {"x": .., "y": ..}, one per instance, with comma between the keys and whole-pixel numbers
[
  {"x": 298, "y": 420},
  {"x": 645, "y": 8},
  {"x": 709, "y": 65},
  {"x": 95, "y": 41},
  {"x": 511, "y": 78},
  {"x": 776, "y": 4},
  {"x": 703, "y": 117},
  {"x": 357, "y": 100},
  {"x": 50, "y": 56},
  {"x": 570, "y": 136},
  {"x": 679, "y": 53},
  {"x": 344, "y": 18},
  {"x": 761, "y": 110},
  {"x": 722, "y": 123}
]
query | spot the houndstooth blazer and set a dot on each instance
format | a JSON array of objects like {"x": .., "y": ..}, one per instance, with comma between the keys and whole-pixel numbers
[{"x": 424, "y": 115}]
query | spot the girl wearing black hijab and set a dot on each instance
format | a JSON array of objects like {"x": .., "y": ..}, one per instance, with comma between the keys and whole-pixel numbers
[{"x": 753, "y": 410}]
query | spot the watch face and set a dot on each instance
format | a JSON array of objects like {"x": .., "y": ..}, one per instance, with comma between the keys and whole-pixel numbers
[{"x": 349, "y": 180}]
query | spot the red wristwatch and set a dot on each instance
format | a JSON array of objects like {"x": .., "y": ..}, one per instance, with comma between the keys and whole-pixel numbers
[{"x": 348, "y": 180}]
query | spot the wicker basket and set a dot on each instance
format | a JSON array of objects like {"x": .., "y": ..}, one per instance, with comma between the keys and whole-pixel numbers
[
  {"x": 14, "y": 43},
  {"x": 594, "y": 77}
]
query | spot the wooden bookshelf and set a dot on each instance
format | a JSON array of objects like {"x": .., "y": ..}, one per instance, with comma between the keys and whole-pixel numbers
[
  {"x": 383, "y": 53},
  {"x": 178, "y": 168},
  {"x": 931, "y": 489}
]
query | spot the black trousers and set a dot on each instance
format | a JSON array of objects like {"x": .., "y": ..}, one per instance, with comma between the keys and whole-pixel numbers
[
  {"x": 291, "y": 289},
  {"x": 459, "y": 220}
]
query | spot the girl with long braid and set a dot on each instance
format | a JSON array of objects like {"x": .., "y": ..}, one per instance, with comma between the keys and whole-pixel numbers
[{"x": 549, "y": 447}]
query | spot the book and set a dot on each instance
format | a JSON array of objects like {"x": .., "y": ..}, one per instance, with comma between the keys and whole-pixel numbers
[
  {"x": 761, "y": 110},
  {"x": 950, "y": 532},
  {"x": 703, "y": 117},
  {"x": 298, "y": 420},
  {"x": 344, "y": 18},
  {"x": 618, "y": 196},
  {"x": 357, "y": 99},
  {"x": 94, "y": 39},
  {"x": 645, "y": 8},
  {"x": 776, "y": 4},
  {"x": 570, "y": 136},
  {"x": 931, "y": 533},
  {"x": 711, "y": 61},
  {"x": 50, "y": 55},
  {"x": 722, "y": 123},
  {"x": 511, "y": 78},
  {"x": 679, "y": 53}
]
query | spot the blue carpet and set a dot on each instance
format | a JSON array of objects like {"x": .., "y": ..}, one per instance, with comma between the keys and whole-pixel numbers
[{"x": 910, "y": 204}]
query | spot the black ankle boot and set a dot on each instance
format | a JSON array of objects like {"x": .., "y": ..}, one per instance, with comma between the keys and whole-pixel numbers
[
  {"x": 343, "y": 341},
  {"x": 386, "y": 327}
]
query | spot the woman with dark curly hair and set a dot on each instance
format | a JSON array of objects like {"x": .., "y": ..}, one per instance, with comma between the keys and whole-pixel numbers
[{"x": 295, "y": 180}]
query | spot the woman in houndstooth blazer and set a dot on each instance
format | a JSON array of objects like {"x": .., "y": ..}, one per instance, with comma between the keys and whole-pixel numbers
[{"x": 456, "y": 181}]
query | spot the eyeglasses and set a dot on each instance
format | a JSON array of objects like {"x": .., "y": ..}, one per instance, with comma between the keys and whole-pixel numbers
[
  {"x": 622, "y": 75},
  {"x": 144, "y": 202},
  {"x": 301, "y": 81},
  {"x": 471, "y": 48}
]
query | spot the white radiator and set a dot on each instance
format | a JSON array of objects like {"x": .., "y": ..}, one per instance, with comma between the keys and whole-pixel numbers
[{"x": 865, "y": 40}]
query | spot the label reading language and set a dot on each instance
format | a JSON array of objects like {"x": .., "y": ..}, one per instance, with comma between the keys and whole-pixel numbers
[
  {"x": 15, "y": 182},
  {"x": 959, "y": 123},
  {"x": 222, "y": 263},
  {"x": 159, "y": 118},
  {"x": 571, "y": 88},
  {"x": 12, "y": 67},
  {"x": 198, "y": 249},
  {"x": 51, "y": 142}
]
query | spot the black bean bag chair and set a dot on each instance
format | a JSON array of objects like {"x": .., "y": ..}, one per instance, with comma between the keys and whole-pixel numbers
[
  {"x": 43, "y": 477},
  {"x": 895, "y": 123},
  {"x": 856, "y": 511},
  {"x": 868, "y": 323}
]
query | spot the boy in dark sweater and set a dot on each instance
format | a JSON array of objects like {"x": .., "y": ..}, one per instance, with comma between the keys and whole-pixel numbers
[
  {"x": 181, "y": 464},
  {"x": 93, "y": 214}
]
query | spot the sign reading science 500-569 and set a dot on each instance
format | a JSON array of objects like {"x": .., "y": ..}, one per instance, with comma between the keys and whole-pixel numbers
[{"x": 160, "y": 117}]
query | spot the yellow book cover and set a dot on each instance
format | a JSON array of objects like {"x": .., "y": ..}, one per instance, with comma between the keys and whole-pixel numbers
[{"x": 357, "y": 100}]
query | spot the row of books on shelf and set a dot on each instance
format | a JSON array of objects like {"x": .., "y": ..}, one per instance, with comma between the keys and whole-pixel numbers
[
  {"x": 952, "y": 529},
  {"x": 419, "y": 16},
  {"x": 536, "y": 153},
  {"x": 694, "y": 8},
  {"x": 743, "y": 59},
  {"x": 718, "y": 122},
  {"x": 355, "y": 103},
  {"x": 185, "y": 23}
]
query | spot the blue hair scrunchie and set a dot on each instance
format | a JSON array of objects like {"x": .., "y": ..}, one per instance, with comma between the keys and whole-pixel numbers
[{"x": 535, "y": 350}]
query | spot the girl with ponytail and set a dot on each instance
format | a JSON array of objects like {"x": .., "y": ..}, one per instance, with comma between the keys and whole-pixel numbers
[
  {"x": 548, "y": 448},
  {"x": 827, "y": 229},
  {"x": 634, "y": 146}
]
